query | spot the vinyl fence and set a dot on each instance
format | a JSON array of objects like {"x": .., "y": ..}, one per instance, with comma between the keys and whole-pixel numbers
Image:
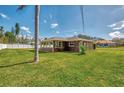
[{"x": 4, "y": 46}]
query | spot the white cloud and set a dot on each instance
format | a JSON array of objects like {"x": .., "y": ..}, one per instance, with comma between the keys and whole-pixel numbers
[
  {"x": 116, "y": 34},
  {"x": 28, "y": 36},
  {"x": 54, "y": 25},
  {"x": 75, "y": 32},
  {"x": 20, "y": 36},
  {"x": 29, "y": 32},
  {"x": 57, "y": 32},
  {"x": 112, "y": 25},
  {"x": 26, "y": 29},
  {"x": 117, "y": 29},
  {"x": 117, "y": 26},
  {"x": 4, "y": 16}
]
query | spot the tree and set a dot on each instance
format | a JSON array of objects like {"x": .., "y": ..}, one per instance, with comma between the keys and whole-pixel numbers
[
  {"x": 1, "y": 34},
  {"x": 1, "y": 31},
  {"x": 82, "y": 50},
  {"x": 82, "y": 16},
  {"x": 17, "y": 29},
  {"x": 118, "y": 41},
  {"x": 10, "y": 37},
  {"x": 13, "y": 31},
  {"x": 37, "y": 15}
]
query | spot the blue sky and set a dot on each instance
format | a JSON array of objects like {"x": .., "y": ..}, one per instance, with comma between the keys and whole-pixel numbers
[{"x": 64, "y": 21}]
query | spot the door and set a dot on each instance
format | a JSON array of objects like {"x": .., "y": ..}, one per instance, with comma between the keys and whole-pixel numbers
[{"x": 66, "y": 46}]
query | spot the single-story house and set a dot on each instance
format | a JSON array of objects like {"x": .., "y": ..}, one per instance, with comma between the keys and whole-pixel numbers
[
  {"x": 105, "y": 43},
  {"x": 65, "y": 44}
]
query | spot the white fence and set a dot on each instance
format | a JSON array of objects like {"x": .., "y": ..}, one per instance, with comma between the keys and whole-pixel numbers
[{"x": 4, "y": 46}]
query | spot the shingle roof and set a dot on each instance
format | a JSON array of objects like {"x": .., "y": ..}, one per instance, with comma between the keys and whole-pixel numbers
[
  {"x": 66, "y": 39},
  {"x": 104, "y": 42}
]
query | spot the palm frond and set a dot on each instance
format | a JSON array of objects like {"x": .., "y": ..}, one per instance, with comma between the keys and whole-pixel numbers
[{"x": 21, "y": 7}]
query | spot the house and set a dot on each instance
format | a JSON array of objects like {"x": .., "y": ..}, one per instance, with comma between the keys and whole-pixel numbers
[
  {"x": 105, "y": 43},
  {"x": 65, "y": 44}
]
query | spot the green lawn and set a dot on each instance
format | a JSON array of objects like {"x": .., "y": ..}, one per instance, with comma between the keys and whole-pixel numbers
[{"x": 102, "y": 67}]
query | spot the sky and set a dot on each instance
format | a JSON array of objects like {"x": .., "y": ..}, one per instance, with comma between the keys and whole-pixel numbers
[{"x": 65, "y": 21}]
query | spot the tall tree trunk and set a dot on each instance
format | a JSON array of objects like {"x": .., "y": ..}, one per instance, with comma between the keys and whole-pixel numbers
[
  {"x": 37, "y": 15},
  {"x": 82, "y": 16}
]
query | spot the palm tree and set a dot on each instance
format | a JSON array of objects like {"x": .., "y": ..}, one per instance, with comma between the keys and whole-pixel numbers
[
  {"x": 17, "y": 31},
  {"x": 1, "y": 34},
  {"x": 1, "y": 31},
  {"x": 37, "y": 16},
  {"x": 12, "y": 30}
]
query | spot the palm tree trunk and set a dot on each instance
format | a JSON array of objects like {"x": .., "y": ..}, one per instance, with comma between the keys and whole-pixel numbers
[
  {"x": 82, "y": 16},
  {"x": 37, "y": 15}
]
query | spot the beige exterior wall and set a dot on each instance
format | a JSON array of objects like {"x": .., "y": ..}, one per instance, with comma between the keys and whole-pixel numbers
[{"x": 59, "y": 46}]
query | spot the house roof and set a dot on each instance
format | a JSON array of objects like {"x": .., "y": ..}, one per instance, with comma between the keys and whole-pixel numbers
[
  {"x": 66, "y": 39},
  {"x": 78, "y": 39},
  {"x": 104, "y": 42}
]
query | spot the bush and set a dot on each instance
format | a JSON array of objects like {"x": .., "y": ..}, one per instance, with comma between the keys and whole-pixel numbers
[{"x": 82, "y": 50}]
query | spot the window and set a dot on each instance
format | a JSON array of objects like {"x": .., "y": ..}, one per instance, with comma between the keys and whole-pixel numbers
[
  {"x": 71, "y": 44},
  {"x": 56, "y": 44},
  {"x": 51, "y": 43},
  {"x": 60, "y": 44}
]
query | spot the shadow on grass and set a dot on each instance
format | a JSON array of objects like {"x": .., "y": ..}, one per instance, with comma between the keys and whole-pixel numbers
[
  {"x": 39, "y": 51},
  {"x": 22, "y": 63},
  {"x": 75, "y": 53},
  {"x": 68, "y": 52},
  {"x": 80, "y": 54}
]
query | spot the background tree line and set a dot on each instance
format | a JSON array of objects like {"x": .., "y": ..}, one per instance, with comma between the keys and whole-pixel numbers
[
  {"x": 88, "y": 37},
  {"x": 13, "y": 36},
  {"x": 119, "y": 41}
]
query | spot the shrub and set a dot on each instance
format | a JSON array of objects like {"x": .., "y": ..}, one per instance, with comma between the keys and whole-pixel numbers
[{"x": 82, "y": 50}]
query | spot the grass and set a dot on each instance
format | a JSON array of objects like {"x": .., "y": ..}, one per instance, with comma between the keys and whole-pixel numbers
[{"x": 102, "y": 67}]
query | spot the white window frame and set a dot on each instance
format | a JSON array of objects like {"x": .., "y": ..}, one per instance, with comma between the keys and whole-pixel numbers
[{"x": 71, "y": 44}]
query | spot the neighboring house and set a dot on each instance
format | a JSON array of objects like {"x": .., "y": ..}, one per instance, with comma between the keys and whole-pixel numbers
[
  {"x": 105, "y": 43},
  {"x": 119, "y": 41},
  {"x": 65, "y": 44}
]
